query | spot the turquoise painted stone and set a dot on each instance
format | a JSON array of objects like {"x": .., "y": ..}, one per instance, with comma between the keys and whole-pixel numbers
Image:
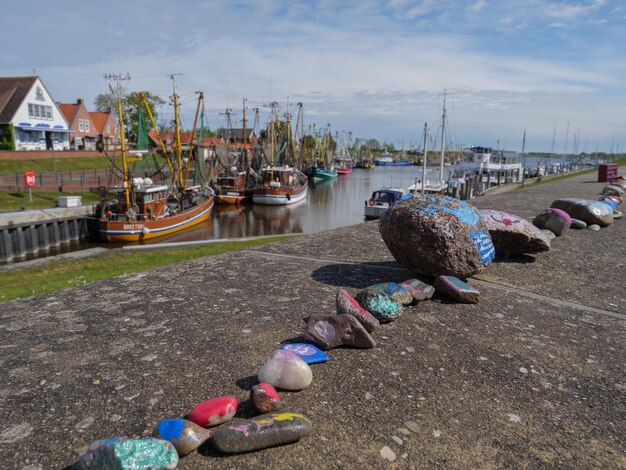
[
  {"x": 128, "y": 454},
  {"x": 186, "y": 436},
  {"x": 420, "y": 290},
  {"x": 456, "y": 289},
  {"x": 266, "y": 430},
  {"x": 379, "y": 305},
  {"x": 579, "y": 224},
  {"x": 392, "y": 290}
]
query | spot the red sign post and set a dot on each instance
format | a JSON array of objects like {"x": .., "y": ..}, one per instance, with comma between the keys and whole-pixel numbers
[{"x": 30, "y": 180}]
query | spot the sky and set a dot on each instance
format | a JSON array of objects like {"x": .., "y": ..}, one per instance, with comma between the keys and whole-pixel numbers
[{"x": 372, "y": 68}]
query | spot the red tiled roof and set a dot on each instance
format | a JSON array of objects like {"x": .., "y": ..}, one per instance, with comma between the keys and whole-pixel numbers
[
  {"x": 99, "y": 119},
  {"x": 69, "y": 110}
]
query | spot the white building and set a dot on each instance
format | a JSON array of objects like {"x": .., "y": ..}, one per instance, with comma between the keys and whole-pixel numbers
[{"x": 37, "y": 122}]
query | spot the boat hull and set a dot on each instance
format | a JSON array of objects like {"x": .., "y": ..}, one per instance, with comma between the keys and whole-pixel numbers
[
  {"x": 140, "y": 230},
  {"x": 344, "y": 171},
  {"x": 320, "y": 174},
  {"x": 393, "y": 163},
  {"x": 232, "y": 199},
  {"x": 278, "y": 197}
]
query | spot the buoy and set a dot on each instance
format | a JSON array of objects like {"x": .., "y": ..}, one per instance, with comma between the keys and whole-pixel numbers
[
  {"x": 372, "y": 202},
  {"x": 146, "y": 230}
]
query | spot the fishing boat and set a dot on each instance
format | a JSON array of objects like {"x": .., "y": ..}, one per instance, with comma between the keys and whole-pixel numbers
[
  {"x": 145, "y": 210},
  {"x": 323, "y": 168},
  {"x": 381, "y": 200},
  {"x": 344, "y": 166},
  {"x": 236, "y": 178},
  {"x": 281, "y": 185},
  {"x": 281, "y": 182},
  {"x": 388, "y": 160},
  {"x": 343, "y": 160}
]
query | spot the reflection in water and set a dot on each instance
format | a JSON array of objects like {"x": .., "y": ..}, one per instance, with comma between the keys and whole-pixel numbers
[{"x": 330, "y": 204}]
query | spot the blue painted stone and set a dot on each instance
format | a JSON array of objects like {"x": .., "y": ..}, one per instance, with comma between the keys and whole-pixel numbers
[
  {"x": 309, "y": 353},
  {"x": 392, "y": 290},
  {"x": 186, "y": 436},
  {"x": 128, "y": 454},
  {"x": 456, "y": 289},
  {"x": 592, "y": 212}
]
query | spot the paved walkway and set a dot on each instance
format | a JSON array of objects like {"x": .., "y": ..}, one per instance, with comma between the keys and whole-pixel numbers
[{"x": 532, "y": 376}]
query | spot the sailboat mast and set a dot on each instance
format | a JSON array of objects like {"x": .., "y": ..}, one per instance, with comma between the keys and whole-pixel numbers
[
  {"x": 443, "y": 137},
  {"x": 244, "y": 137},
  {"x": 424, "y": 158}
]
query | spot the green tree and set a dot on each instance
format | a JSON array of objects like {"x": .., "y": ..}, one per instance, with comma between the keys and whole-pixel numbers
[
  {"x": 131, "y": 104},
  {"x": 7, "y": 137}
]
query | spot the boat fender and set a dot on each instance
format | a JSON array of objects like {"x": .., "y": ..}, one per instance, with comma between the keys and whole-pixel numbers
[
  {"x": 372, "y": 202},
  {"x": 146, "y": 230},
  {"x": 289, "y": 197}
]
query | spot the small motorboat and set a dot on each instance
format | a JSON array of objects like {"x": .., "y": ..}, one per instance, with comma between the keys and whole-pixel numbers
[{"x": 381, "y": 200}]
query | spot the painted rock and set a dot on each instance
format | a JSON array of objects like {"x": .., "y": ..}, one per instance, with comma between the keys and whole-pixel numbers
[
  {"x": 555, "y": 220},
  {"x": 549, "y": 233},
  {"x": 309, "y": 353},
  {"x": 613, "y": 190},
  {"x": 213, "y": 411},
  {"x": 594, "y": 227},
  {"x": 285, "y": 369},
  {"x": 265, "y": 398},
  {"x": 129, "y": 454},
  {"x": 381, "y": 306},
  {"x": 186, "y": 436},
  {"x": 616, "y": 199},
  {"x": 591, "y": 212},
  {"x": 420, "y": 290},
  {"x": 346, "y": 305},
  {"x": 513, "y": 235},
  {"x": 330, "y": 331},
  {"x": 266, "y": 430},
  {"x": 617, "y": 214},
  {"x": 392, "y": 290},
  {"x": 578, "y": 224},
  {"x": 433, "y": 235},
  {"x": 456, "y": 289},
  {"x": 609, "y": 202}
]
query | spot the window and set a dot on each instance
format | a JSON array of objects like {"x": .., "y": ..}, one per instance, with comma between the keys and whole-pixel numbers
[
  {"x": 39, "y": 111},
  {"x": 81, "y": 128},
  {"x": 87, "y": 125}
]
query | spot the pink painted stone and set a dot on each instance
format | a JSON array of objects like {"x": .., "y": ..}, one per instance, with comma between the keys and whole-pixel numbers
[
  {"x": 214, "y": 411},
  {"x": 265, "y": 398},
  {"x": 349, "y": 306}
]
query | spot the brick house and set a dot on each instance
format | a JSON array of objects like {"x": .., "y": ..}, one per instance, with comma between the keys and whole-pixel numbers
[
  {"x": 106, "y": 128},
  {"x": 84, "y": 133}
]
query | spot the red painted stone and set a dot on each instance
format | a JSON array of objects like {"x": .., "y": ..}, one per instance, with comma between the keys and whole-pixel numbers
[
  {"x": 214, "y": 411},
  {"x": 265, "y": 398}
]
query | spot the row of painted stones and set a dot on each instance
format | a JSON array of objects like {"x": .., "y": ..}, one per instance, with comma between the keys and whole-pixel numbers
[{"x": 287, "y": 369}]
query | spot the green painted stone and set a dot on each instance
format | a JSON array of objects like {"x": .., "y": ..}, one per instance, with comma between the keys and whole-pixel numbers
[{"x": 128, "y": 454}]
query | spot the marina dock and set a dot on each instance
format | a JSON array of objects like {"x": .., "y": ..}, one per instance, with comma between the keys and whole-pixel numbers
[{"x": 530, "y": 377}]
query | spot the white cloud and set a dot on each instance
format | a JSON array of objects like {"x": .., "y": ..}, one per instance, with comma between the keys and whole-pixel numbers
[{"x": 478, "y": 5}]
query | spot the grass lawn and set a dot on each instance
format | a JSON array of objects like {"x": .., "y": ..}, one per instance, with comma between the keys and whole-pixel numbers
[
  {"x": 63, "y": 165},
  {"x": 19, "y": 200},
  {"x": 59, "y": 275}
]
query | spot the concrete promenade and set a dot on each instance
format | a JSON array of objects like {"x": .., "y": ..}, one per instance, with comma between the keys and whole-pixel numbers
[{"x": 533, "y": 376}]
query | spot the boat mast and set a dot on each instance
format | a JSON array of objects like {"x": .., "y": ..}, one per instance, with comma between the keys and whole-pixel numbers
[
  {"x": 177, "y": 144},
  {"x": 244, "y": 148},
  {"x": 193, "y": 136},
  {"x": 443, "y": 137},
  {"x": 124, "y": 157},
  {"x": 425, "y": 157}
]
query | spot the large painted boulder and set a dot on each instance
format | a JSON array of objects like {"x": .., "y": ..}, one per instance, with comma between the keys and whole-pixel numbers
[
  {"x": 435, "y": 235},
  {"x": 512, "y": 235},
  {"x": 591, "y": 212}
]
